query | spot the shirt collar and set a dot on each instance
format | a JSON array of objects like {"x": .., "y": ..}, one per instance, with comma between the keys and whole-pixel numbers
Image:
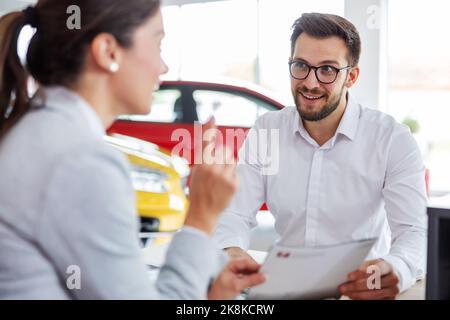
[
  {"x": 59, "y": 96},
  {"x": 349, "y": 122},
  {"x": 298, "y": 127},
  {"x": 347, "y": 126}
]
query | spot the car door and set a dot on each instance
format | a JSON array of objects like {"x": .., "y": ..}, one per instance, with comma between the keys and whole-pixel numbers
[{"x": 235, "y": 111}]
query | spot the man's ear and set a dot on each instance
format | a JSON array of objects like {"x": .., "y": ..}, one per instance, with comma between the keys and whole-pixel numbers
[
  {"x": 353, "y": 75},
  {"x": 105, "y": 51}
]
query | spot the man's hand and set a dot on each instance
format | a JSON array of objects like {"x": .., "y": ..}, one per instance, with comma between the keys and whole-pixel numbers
[
  {"x": 360, "y": 287},
  {"x": 212, "y": 184},
  {"x": 237, "y": 275},
  {"x": 238, "y": 253}
]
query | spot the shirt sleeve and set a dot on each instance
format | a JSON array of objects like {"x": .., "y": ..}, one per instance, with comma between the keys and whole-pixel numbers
[
  {"x": 405, "y": 203},
  {"x": 239, "y": 218},
  {"x": 89, "y": 221}
]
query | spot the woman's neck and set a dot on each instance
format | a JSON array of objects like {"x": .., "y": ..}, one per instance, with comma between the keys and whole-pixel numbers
[{"x": 100, "y": 99}]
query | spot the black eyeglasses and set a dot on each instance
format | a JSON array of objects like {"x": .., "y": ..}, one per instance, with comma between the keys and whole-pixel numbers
[{"x": 325, "y": 74}]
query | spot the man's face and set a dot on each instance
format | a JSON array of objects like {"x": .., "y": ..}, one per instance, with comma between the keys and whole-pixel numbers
[{"x": 315, "y": 100}]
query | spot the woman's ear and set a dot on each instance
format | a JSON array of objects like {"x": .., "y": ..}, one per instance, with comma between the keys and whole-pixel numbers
[
  {"x": 106, "y": 52},
  {"x": 353, "y": 75}
]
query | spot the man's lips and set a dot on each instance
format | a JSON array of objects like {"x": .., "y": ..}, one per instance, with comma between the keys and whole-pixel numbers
[{"x": 311, "y": 97}]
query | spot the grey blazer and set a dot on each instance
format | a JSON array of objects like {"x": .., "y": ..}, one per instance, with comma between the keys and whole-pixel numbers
[{"x": 67, "y": 215}]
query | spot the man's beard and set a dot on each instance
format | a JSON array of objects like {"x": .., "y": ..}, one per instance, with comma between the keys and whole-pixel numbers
[{"x": 326, "y": 110}]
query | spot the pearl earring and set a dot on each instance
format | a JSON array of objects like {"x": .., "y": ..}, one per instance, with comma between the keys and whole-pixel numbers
[{"x": 114, "y": 67}]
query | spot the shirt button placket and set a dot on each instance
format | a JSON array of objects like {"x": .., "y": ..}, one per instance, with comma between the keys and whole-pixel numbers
[{"x": 313, "y": 198}]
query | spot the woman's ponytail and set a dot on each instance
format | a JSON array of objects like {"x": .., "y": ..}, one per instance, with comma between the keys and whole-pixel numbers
[{"x": 14, "y": 100}]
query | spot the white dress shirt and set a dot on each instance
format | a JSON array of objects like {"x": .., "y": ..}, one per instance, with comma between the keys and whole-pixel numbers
[{"x": 367, "y": 181}]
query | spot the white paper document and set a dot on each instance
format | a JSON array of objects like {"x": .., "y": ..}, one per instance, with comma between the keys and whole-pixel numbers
[{"x": 309, "y": 273}]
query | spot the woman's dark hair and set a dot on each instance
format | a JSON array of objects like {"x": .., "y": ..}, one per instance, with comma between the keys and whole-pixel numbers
[
  {"x": 323, "y": 25},
  {"x": 56, "y": 53}
]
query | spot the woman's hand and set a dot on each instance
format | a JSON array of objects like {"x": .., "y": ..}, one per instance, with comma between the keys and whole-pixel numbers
[
  {"x": 237, "y": 275},
  {"x": 238, "y": 253},
  {"x": 212, "y": 183}
]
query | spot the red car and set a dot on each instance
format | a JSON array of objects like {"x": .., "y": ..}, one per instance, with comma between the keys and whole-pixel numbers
[{"x": 177, "y": 105}]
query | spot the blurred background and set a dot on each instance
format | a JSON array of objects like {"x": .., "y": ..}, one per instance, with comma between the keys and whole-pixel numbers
[{"x": 249, "y": 40}]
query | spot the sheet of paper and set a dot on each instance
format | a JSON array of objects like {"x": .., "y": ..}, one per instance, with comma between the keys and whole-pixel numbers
[
  {"x": 309, "y": 273},
  {"x": 259, "y": 256}
]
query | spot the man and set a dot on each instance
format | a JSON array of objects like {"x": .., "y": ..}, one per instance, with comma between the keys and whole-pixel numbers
[{"x": 345, "y": 172}]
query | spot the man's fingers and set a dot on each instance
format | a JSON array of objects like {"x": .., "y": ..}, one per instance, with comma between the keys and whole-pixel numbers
[
  {"x": 382, "y": 266},
  {"x": 367, "y": 269},
  {"x": 388, "y": 293},
  {"x": 358, "y": 288},
  {"x": 368, "y": 263},
  {"x": 357, "y": 274},
  {"x": 389, "y": 280}
]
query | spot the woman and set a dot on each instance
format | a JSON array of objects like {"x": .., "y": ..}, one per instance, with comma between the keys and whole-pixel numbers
[{"x": 66, "y": 203}]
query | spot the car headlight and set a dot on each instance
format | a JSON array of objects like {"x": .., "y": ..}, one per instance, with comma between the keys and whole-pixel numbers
[
  {"x": 181, "y": 166},
  {"x": 148, "y": 180}
]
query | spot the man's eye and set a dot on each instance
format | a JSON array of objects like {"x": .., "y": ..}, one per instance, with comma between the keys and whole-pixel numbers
[
  {"x": 300, "y": 65},
  {"x": 327, "y": 70}
]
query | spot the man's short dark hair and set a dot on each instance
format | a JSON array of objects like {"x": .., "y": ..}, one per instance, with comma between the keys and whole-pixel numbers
[{"x": 323, "y": 25}]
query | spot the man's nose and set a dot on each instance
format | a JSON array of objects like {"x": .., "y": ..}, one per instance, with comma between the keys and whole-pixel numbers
[{"x": 311, "y": 81}]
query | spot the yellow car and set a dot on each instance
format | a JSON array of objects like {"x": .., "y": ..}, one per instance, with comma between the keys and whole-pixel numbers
[{"x": 159, "y": 181}]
